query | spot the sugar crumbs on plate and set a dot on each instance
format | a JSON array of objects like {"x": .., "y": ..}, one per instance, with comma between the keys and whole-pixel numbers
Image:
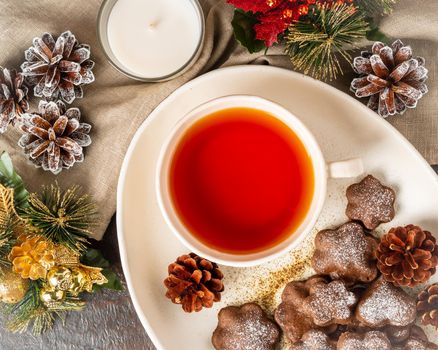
[{"x": 264, "y": 284}]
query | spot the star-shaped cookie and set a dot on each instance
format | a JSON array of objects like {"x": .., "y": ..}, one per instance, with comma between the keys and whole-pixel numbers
[
  {"x": 345, "y": 252},
  {"x": 246, "y": 327},
  {"x": 370, "y": 202}
]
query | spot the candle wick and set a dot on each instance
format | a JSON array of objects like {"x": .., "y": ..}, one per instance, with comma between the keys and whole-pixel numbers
[{"x": 152, "y": 25}]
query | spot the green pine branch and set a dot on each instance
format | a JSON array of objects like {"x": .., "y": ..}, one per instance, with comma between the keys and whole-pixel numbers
[
  {"x": 316, "y": 44},
  {"x": 64, "y": 217},
  {"x": 30, "y": 312}
]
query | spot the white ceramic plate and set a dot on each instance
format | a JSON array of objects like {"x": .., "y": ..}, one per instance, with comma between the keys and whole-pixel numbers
[{"x": 344, "y": 128}]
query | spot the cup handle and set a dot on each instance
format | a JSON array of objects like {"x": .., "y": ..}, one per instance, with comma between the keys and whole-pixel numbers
[{"x": 345, "y": 168}]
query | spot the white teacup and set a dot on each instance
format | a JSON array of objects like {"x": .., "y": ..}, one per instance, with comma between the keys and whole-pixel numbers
[{"x": 322, "y": 170}]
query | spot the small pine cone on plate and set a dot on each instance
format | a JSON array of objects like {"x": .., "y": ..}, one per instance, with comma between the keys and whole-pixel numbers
[
  {"x": 58, "y": 68},
  {"x": 427, "y": 306},
  {"x": 13, "y": 97},
  {"x": 194, "y": 282},
  {"x": 391, "y": 77},
  {"x": 407, "y": 256},
  {"x": 54, "y": 138}
]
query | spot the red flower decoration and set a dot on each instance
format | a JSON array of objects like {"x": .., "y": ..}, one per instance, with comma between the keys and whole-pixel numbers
[
  {"x": 254, "y": 6},
  {"x": 275, "y": 16}
]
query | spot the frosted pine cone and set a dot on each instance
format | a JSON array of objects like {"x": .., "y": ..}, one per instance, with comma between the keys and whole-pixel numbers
[
  {"x": 54, "y": 138},
  {"x": 407, "y": 256},
  {"x": 58, "y": 69},
  {"x": 391, "y": 78},
  {"x": 194, "y": 282},
  {"x": 13, "y": 97}
]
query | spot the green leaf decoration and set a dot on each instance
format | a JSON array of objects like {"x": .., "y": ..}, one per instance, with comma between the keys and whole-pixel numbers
[
  {"x": 94, "y": 257},
  {"x": 316, "y": 43},
  {"x": 113, "y": 281},
  {"x": 9, "y": 178},
  {"x": 243, "y": 25},
  {"x": 375, "y": 7},
  {"x": 374, "y": 34}
]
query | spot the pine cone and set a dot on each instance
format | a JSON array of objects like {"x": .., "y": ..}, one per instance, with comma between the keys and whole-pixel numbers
[
  {"x": 58, "y": 69},
  {"x": 407, "y": 256},
  {"x": 54, "y": 138},
  {"x": 427, "y": 306},
  {"x": 391, "y": 78},
  {"x": 13, "y": 97},
  {"x": 194, "y": 282},
  {"x": 32, "y": 257}
]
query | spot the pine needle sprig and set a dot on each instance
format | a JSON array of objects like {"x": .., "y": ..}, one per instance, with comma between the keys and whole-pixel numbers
[
  {"x": 316, "y": 43},
  {"x": 373, "y": 8},
  {"x": 70, "y": 303},
  {"x": 64, "y": 217},
  {"x": 31, "y": 312}
]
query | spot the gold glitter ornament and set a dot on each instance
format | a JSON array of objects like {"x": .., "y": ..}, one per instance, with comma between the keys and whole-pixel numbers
[
  {"x": 8, "y": 214},
  {"x": 13, "y": 288},
  {"x": 50, "y": 296},
  {"x": 32, "y": 257},
  {"x": 66, "y": 256},
  {"x": 60, "y": 277},
  {"x": 80, "y": 282},
  {"x": 94, "y": 275}
]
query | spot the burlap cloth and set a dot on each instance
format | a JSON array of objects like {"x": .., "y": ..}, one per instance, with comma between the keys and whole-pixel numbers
[{"x": 116, "y": 105}]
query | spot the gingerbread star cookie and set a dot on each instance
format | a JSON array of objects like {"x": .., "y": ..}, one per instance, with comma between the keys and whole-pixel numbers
[
  {"x": 315, "y": 340},
  {"x": 373, "y": 340},
  {"x": 290, "y": 314},
  {"x": 417, "y": 341},
  {"x": 370, "y": 202},
  {"x": 384, "y": 304},
  {"x": 245, "y": 328},
  {"x": 330, "y": 303},
  {"x": 398, "y": 335},
  {"x": 345, "y": 252}
]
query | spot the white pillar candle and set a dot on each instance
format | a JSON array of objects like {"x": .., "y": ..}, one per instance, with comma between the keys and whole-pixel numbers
[{"x": 154, "y": 38}]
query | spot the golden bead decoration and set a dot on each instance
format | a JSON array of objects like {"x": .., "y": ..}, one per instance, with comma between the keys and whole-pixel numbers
[
  {"x": 80, "y": 282},
  {"x": 13, "y": 288},
  {"x": 50, "y": 296},
  {"x": 32, "y": 257},
  {"x": 60, "y": 277}
]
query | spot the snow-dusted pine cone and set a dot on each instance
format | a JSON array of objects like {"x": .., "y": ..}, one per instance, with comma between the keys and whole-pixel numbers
[
  {"x": 58, "y": 69},
  {"x": 391, "y": 77},
  {"x": 13, "y": 97},
  {"x": 54, "y": 138}
]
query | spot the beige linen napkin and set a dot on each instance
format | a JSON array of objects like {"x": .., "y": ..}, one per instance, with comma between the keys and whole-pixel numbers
[{"x": 116, "y": 105}]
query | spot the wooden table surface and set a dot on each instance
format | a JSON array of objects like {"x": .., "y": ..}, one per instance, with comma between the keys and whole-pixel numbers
[{"x": 109, "y": 321}]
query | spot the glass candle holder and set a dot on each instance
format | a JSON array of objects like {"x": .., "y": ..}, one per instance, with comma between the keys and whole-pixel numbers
[{"x": 151, "y": 40}]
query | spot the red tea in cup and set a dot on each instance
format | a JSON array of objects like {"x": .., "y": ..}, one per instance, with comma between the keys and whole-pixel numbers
[{"x": 241, "y": 180}]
